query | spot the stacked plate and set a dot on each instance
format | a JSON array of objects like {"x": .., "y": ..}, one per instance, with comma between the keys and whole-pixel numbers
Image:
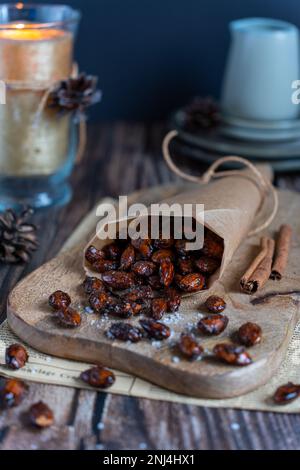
[{"x": 273, "y": 142}]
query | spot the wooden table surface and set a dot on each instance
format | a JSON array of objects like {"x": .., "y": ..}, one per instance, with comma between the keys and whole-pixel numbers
[{"x": 121, "y": 158}]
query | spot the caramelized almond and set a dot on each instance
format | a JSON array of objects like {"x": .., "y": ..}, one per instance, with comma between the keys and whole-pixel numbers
[
  {"x": 59, "y": 300},
  {"x": 98, "y": 376},
  {"x": 155, "y": 329},
  {"x": 158, "y": 308},
  {"x": 69, "y": 317},
  {"x": 40, "y": 415},
  {"x": 16, "y": 356},
  {"x": 166, "y": 272},
  {"x": 286, "y": 393},
  {"x": 192, "y": 282},
  {"x": 118, "y": 280},
  {"x": 124, "y": 332},
  {"x": 213, "y": 324},
  {"x": 249, "y": 334},
  {"x": 189, "y": 347},
  {"x": 232, "y": 354},
  {"x": 215, "y": 304}
]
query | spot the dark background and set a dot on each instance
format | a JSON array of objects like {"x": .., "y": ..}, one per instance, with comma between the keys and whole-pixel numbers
[{"x": 151, "y": 56}]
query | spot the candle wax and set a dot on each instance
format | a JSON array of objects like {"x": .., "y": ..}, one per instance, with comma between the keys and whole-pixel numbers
[
  {"x": 31, "y": 54},
  {"x": 25, "y": 32}
]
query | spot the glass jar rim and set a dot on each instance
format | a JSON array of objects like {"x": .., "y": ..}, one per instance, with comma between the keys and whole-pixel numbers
[{"x": 73, "y": 15}]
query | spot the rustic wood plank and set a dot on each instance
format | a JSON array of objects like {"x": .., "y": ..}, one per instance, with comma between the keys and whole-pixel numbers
[
  {"x": 183, "y": 427},
  {"x": 58, "y": 398},
  {"x": 87, "y": 412},
  {"x": 17, "y": 433},
  {"x": 24, "y": 438},
  {"x": 159, "y": 425}
]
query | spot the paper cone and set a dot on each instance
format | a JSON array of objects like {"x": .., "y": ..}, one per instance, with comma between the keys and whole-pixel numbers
[{"x": 230, "y": 207}]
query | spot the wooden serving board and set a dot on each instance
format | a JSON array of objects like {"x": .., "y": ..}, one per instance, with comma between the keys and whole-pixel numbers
[{"x": 30, "y": 317}]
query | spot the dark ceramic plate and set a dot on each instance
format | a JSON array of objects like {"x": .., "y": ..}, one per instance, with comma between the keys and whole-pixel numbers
[
  {"x": 283, "y": 156},
  {"x": 285, "y": 165}
]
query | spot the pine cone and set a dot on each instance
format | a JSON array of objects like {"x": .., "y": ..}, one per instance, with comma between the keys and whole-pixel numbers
[
  {"x": 17, "y": 238},
  {"x": 75, "y": 95},
  {"x": 202, "y": 113}
]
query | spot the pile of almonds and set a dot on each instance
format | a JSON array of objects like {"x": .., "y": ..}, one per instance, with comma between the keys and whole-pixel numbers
[
  {"x": 148, "y": 276},
  {"x": 214, "y": 324},
  {"x": 145, "y": 278}
]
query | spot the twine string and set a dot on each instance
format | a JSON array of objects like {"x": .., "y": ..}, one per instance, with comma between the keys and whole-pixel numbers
[
  {"x": 44, "y": 99},
  {"x": 264, "y": 185},
  {"x": 82, "y": 140},
  {"x": 48, "y": 87}
]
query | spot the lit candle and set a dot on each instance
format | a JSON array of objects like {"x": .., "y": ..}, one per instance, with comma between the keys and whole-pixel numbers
[{"x": 32, "y": 58}]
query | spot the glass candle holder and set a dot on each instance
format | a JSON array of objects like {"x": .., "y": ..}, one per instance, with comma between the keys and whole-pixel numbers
[{"x": 37, "y": 146}]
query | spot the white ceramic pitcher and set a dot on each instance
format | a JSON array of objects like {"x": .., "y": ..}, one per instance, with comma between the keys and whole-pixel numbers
[{"x": 262, "y": 64}]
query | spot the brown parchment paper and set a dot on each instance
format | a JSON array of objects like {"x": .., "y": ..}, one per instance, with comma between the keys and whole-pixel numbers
[{"x": 230, "y": 206}]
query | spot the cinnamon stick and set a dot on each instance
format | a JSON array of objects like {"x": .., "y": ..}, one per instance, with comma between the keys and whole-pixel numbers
[
  {"x": 259, "y": 270},
  {"x": 282, "y": 252}
]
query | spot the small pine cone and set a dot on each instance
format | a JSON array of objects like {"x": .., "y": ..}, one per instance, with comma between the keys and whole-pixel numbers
[
  {"x": 17, "y": 238},
  {"x": 202, "y": 114},
  {"x": 75, "y": 95}
]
